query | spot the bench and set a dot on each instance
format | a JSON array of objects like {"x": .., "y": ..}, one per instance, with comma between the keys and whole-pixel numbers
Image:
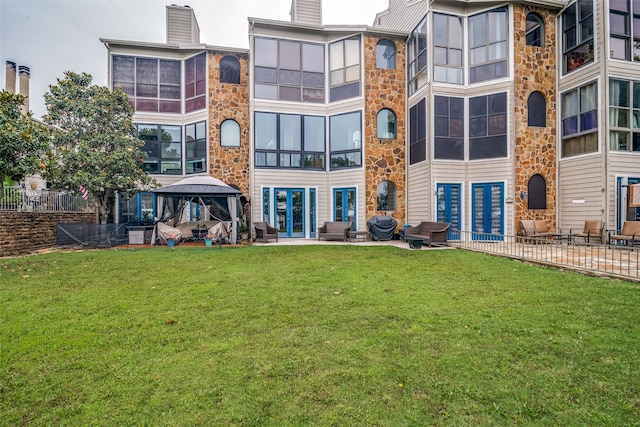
[
  {"x": 431, "y": 233},
  {"x": 629, "y": 234},
  {"x": 335, "y": 230},
  {"x": 534, "y": 229}
]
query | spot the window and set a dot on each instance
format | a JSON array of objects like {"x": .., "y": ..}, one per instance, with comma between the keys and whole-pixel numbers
[
  {"x": 577, "y": 35},
  {"x": 448, "y": 123},
  {"x": 488, "y": 44},
  {"x": 488, "y": 126},
  {"x": 535, "y": 30},
  {"x": 447, "y": 48},
  {"x": 289, "y": 141},
  {"x": 537, "y": 110},
  {"x": 386, "y": 196},
  {"x": 579, "y": 120},
  {"x": 537, "y": 192},
  {"x": 288, "y": 70},
  {"x": 230, "y": 133},
  {"x": 344, "y": 68},
  {"x": 624, "y": 115},
  {"x": 229, "y": 70},
  {"x": 418, "y": 132},
  {"x": 151, "y": 84},
  {"x": 196, "y": 147},
  {"x": 346, "y": 140},
  {"x": 417, "y": 53},
  {"x": 386, "y": 54},
  {"x": 622, "y": 26},
  {"x": 386, "y": 124},
  {"x": 195, "y": 85},
  {"x": 163, "y": 145}
]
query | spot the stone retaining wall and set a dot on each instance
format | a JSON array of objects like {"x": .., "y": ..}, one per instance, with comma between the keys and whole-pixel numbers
[{"x": 22, "y": 233}]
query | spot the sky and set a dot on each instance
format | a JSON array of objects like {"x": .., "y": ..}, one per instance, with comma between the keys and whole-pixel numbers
[{"x": 54, "y": 36}]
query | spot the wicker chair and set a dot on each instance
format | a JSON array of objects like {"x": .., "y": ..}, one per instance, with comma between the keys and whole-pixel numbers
[{"x": 264, "y": 231}]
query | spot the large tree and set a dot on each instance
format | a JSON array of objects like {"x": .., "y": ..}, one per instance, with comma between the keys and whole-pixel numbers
[
  {"x": 96, "y": 147},
  {"x": 23, "y": 141}
]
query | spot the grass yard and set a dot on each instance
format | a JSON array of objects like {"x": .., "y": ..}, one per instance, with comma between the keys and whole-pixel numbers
[{"x": 313, "y": 336}]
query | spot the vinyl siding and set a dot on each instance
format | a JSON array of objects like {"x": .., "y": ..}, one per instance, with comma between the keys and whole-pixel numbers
[
  {"x": 580, "y": 178},
  {"x": 182, "y": 27},
  {"x": 419, "y": 192},
  {"x": 307, "y": 12}
]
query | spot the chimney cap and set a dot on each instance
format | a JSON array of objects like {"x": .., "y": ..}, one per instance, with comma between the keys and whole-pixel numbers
[
  {"x": 11, "y": 64},
  {"x": 24, "y": 70}
]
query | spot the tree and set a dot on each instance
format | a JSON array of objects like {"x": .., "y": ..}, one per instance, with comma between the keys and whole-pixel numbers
[
  {"x": 23, "y": 141},
  {"x": 96, "y": 146}
]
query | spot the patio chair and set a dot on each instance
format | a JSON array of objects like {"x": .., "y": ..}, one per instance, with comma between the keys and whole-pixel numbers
[
  {"x": 265, "y": 232},
  {"x": 592, "y": 230}
]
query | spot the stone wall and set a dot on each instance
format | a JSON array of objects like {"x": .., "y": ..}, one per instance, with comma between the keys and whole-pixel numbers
[
  {"x": 535, "y": 147},
  {"x": 229, "y": 101},
  {"x": 22, "y": 233},
  {"x": 384, "y": 159}
]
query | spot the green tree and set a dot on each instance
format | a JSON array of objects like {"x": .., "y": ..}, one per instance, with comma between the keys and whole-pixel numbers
[
  {"x": 23, "y": 141},
  {"x": 96, "y": 146}
]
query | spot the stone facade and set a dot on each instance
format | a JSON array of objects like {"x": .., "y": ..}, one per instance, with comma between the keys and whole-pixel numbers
[
  {"x": 22, "y": 233},
  {"x": 229, "y": 101},
  {"x": 535, "y": 147},
  {"x": 384, "y": 159}
]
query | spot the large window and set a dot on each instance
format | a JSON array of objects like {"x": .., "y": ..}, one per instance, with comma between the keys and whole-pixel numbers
[
  {"x": 386, "y": 54},
  {"x": 344, "y": 66},
  {"x": 417, "y": 53},
  {"x": 229, "y": 70},
  {"x": 447, "y": 48},
  {"x": 386, "y": 124},
  {"x": 448, "y": 129},
  {"x": 488, "y": 45},
  {"x": 624, "y": 24},
  {"x": 577, "y": 35},
  {"x": 288, "y": 70},
  {"x": 151, "y": 84},
  {"x": 418, "y": 132},
  {"x": 289, "y": 141},
  {"x": 624, "y": 115},
  {"x": 196, "y": 147},
  {"x": 163, "y": 145},
  {"x": 580, "y": 120},
  {"x": 488, "y": 126},
  {"x": 195, "y": 83},
  {"x": 346, "y": 140}
]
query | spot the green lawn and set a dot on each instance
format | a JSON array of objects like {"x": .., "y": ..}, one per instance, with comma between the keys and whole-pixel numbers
[{"x": 313, "y": 335}]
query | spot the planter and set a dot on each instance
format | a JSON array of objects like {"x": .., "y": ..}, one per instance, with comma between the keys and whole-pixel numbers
[
  {"x": 171, "y": 243},
  {"x": 208, "y": 242}
]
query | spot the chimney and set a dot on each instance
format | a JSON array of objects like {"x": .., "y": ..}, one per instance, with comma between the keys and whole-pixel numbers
[
  {"x": 306, "y": 12},
  {"x": 182, "y": 26},
  {"x": 11, "y": 77},
  {"x": 24, "y": 74}
]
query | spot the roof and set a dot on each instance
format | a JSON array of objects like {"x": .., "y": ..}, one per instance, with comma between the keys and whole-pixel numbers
[{"x": 201, "y": 185}]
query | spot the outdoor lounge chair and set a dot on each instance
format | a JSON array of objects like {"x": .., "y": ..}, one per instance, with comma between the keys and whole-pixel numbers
[
  {"x": 592, "y": 230},
  {"x": 430, "y": 233},
  {"x": 629, "y": 234},
  {"x": 265, "y": 232},
  {"x": 534, "y": 229},
  {"x": 335, "y": 230}
]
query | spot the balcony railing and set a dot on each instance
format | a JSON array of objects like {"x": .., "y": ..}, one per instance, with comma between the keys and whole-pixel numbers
[{"x": 27, "y": 200}]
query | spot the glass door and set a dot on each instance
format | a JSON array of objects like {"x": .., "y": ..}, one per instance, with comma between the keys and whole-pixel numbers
[
  {"x": 626, "y": 212},
  {"x": 344, "y": 205},
  {"x": 487, "y": 211},
  {"x": 448, "y": 203},
  {"x": 290, "y": 212}
]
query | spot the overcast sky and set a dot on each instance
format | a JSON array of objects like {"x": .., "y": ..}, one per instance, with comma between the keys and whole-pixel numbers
[{"x": 53, "y": 36}]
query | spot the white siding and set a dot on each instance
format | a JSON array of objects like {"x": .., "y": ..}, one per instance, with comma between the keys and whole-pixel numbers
[
  {"x": 307, "y": 12},
  {"x": 182, "y": 27},
  {"x": 419, "y": 194},
  {"x": 579, "y": 179}
]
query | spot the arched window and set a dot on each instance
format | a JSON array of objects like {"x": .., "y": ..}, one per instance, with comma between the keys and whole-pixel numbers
[
  {"x": 535, "y": 30},
  {"x": 386, "y": 196},
  {"x": 386, "y": 123},
  {"x": 229, "y": 70},
  {"x": 230, "y": 133},
  {"x": 386, "y": 54},
  {"x": 537, "y": 189},
  {"x": 537, "y": 110}
]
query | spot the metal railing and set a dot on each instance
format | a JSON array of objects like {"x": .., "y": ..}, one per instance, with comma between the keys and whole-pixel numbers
[
  {"x": 597, "y": 259},
  {"x": 27, "y": 200}
]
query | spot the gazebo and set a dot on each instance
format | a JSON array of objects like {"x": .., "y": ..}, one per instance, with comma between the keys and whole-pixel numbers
[{"x": 198, "y": 201}]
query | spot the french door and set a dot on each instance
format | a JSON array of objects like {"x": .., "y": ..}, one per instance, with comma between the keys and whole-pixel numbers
[
  {"x": 487, "y": 216},
  {"x": 289, "y": 212},
  {"x": 344, "y": 205},
  {"x": 448, "y": 208}
]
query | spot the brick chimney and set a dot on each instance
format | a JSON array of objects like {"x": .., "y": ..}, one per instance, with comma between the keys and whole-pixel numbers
[
  {"x": 24, "y": 74},
  {"x": 10, "y": 78}
]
